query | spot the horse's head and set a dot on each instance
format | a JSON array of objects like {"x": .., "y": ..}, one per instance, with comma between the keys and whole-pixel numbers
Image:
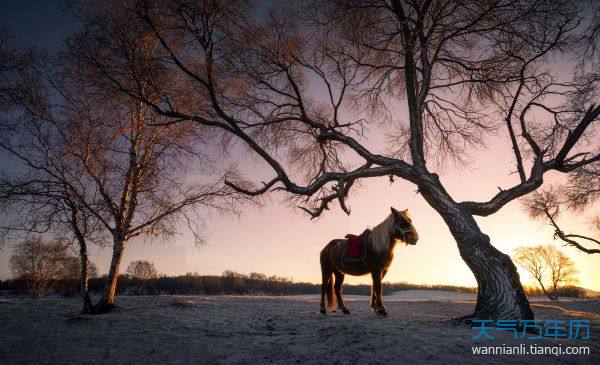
[{"x": 403, "y": 228}]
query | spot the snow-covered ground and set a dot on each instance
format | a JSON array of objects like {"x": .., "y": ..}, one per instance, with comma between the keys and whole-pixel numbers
[{"x": 282, "y": 330}]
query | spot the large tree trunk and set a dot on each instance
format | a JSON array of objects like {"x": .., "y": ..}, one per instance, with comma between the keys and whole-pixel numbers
[
  {"x": 500, "y": 294},
  {"x": 107, "y": 301}
]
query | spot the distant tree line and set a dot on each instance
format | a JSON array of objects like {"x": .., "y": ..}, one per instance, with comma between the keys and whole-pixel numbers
[
  {"x": 234, "y": 283},
  {"x": 569, "y": 291}
]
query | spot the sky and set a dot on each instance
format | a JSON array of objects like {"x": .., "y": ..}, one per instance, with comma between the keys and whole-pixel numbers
[{"x": 278, "y": 240}]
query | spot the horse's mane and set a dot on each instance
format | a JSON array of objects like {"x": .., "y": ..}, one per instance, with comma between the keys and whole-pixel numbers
[{"x": 381, "y": 235}]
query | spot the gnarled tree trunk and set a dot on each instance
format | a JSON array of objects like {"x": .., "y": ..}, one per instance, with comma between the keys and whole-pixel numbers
[{"x": 500, "y": 294}]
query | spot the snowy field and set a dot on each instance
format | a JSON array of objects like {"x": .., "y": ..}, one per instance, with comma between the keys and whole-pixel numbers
[{"x": 281, "y": 330}]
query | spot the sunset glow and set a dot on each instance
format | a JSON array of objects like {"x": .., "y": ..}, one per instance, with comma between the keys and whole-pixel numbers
[{"x": 277, "y": 239}]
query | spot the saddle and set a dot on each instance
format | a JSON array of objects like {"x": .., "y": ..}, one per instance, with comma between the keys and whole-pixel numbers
[{"x": 356, "y": 249}]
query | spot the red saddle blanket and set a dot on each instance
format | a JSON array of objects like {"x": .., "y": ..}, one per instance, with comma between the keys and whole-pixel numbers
[{"x": 356, "y": 249}]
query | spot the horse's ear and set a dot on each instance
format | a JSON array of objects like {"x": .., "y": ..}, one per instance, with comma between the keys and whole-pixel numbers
[{"x": 394, "y": 211}]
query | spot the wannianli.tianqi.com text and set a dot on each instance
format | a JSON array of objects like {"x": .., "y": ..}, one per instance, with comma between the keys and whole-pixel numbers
[{"x": 534, "y": 349}]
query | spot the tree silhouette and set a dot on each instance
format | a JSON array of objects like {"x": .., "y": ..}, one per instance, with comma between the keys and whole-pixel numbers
[
  {"x": 38, "y": 263},
  {"x": 142, "y": 271},
  {"x": 547, "y": 264},
  {"x": 305, "y": 88},
  {"x": 552, "y": 202},
  {"x": 88, "y": 160}
]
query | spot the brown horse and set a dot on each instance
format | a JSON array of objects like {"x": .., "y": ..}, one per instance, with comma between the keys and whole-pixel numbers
[{"x": 380, "y": 244}]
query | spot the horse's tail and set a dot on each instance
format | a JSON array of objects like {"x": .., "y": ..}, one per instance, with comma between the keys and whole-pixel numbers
[{"x": 327, "y": 278}]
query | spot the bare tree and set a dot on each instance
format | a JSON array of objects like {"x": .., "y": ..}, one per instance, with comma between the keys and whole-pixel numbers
[
  {"x": 38, "y": 263},
  {"x": 304, "y": 93},
  {"x": 40, "y": 197},
  {"x": 562, "y": 269},
  {"x": 30, "y": 206},
  {"x": 554, "y": 201},
  {"x": 93, "y": 161},
  {"x": 142, "y": 271},
  {"x": 547, "y": 264},
  {"x": 531, "y": 259},
  {"x": 42, "y": 202}
]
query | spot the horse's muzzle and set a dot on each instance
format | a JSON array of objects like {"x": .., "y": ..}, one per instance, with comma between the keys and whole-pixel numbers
[{"x": 412, "y": 238}]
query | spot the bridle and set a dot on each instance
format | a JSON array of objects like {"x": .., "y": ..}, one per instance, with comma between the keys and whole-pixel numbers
[{"x": 402, "y": 230}]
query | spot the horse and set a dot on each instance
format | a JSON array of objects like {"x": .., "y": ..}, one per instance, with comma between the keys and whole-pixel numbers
[{"x": 379, "y": 244}]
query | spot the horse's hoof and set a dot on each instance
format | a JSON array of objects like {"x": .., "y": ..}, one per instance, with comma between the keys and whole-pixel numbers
[
  {"x": 381, "y": 312},
  {"x": 345, "y": 311},
  {"x": 323, "y": 311}
]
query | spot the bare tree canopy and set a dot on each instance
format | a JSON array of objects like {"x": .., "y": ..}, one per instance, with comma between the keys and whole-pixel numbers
[
  {"x": 38, "y": 263},
  {"x": 305, "y": 88},
  {"x": 142, "y": 271},
  {"x": 554, "y": 201},
  {"x": 91, "y": 160},
  {"x": 550, "y": 267}
]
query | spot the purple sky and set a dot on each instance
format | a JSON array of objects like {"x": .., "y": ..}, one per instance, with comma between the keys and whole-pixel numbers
[{"x": 278, "y": 240}]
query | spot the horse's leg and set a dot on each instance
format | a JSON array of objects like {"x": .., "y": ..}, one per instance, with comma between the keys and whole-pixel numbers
[
  {"x": 379, "y": 307},
  {"x": 373, "y": 299},
  {"x": 326, "y": 283},
  {"x": 373, "y": 306},
  {"x": 339, "y": 280}
]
